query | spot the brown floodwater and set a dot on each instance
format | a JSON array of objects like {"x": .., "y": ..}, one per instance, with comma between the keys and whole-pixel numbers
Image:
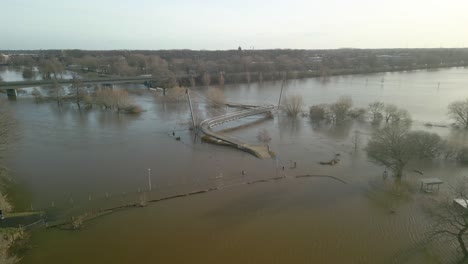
[{"x": 70, "y": 162}]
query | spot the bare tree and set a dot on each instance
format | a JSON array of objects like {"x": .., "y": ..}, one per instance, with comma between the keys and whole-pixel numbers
[
  {"x": 192, "y": 81},
  {"x": 116, "y": 99},
  {"x": 318, "y": 112},
  {"x": 120, "y": 67},
  {"x": 375, "y": 110},
  {"x": 38, "y": 97},
  {"x": 28, "y": 73},
  {"x": 104, "y": 98},
  {"x": 458, "y": 111},
  {"x": 264, "y": 137},
  {"x": 165, "y": 79},
  {"x": 356, "y": 140},
  {"x": 122, "y": 100},
  {"x": 293, "y": 104},
  {"x": 390, "y": 111},
  {"x": 402, "y": 117},
  {"x": 451, "y": 219},
  {"x": 216, "y": 97},
  {"x": 78, "y": 91},
  {"x": 56, "y": 93},
  {"x": 395, "y": 146},
  {"x": 341, "y": 107},
  {"x": 358, "y": 113},
  {"x": 206, "y": 79},
  {"x": 89, "y": 62},
  {"x": 175, "y": 94},
  {"x": 50, "y": 67},
  {"x": 221, "y": 78}
]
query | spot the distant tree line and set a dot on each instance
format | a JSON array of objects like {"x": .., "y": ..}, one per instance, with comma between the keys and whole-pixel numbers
[{"x": 190, "y": 67}]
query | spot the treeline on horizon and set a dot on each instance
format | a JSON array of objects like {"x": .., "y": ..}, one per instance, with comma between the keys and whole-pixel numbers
[{"x": 204, "y": 67}]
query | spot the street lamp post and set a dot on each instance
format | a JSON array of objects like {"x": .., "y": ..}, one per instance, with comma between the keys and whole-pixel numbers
[{"x": 149, "y": 178}]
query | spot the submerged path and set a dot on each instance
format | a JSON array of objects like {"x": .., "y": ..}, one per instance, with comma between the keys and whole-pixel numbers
[{"x": 259, "y": 151}]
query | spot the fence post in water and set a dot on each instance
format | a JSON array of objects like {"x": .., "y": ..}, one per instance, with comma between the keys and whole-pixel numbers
[{"x": 149, "y": 179}]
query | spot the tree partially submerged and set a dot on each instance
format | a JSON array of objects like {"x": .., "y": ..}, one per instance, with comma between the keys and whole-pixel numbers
[
  {"x": 38, "y": 97},
  {"x": 57, "y": 93},
  {"x": 293, "y": 104},
  {"x": 458, "y": 111},
  {"x": 50, "y": 68},
  {"x": 390, "y": 112},
  {"x": 395, "y": 146},
  {"x": 318, "y": 112},
  {"x": 451, "y": 219},
  {"x": 356, "y": 140},
  {"x": 375, "y": 110},
  {"x": 216, "y": 97},
  {"x": 78, "y": 91},
  {"x": 340, "y": 108},
  {"x": 264, "y": 137},
  {"x": 28, "y": 73},
  {"x": 118, "y": 100},
  {"x": 175, "y": 94},
  {"x": 165, "y": 79}
]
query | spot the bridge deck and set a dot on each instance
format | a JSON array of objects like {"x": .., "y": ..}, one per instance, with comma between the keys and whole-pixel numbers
[{"x": 258, "y": 150}]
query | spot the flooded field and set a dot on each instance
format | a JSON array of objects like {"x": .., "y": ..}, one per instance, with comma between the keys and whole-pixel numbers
[{"x": 67, "y": 159}]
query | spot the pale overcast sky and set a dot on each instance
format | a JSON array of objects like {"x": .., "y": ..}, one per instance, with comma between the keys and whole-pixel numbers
[{"x": 262, "y": 24}]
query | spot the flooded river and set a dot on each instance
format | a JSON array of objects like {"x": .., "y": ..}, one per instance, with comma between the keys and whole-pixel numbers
[{"x": 67, "y": 159}]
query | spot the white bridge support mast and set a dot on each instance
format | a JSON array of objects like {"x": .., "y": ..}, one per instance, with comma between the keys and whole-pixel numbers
[{"x": 187, "y": 91}]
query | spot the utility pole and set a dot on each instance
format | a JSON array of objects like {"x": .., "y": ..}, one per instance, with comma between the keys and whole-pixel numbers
[{"x": 149, "y": 179}]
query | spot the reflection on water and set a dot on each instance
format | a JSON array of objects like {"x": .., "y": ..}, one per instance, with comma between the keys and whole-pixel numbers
[{"x": 65, "y": 154}]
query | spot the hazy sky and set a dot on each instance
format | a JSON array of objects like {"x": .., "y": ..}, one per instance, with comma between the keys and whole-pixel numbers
[{"x": 262, "y": 24}]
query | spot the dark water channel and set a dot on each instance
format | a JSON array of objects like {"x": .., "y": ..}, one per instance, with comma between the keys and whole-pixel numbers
[{"x": 67, "y": 160}]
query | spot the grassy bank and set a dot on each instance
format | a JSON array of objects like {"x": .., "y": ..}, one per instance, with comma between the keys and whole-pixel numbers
[{"x": 12, "y": 240}]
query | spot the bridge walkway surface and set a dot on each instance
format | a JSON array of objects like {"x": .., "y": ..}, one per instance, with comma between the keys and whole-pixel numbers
[{"x": 259, "y": 151}]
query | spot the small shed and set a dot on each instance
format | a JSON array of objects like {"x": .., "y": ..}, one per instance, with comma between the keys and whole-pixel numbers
[{"x": 427, "y": 184}]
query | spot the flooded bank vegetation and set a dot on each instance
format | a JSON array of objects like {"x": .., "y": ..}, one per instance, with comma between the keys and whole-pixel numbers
[
  {"x": 237, "y": 65},
  {"x": 293, "y": 104},
  {"x": 9, "y": 237},
  {"x": 103, "y": 98},
  {"x": 395, "y": 146},
  {"x": 458, "y": 111},
  {"x": 450, "y": 220}
]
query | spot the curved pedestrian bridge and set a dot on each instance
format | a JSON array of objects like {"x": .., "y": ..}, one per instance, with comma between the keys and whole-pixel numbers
[{"x": 259, "y": 151}]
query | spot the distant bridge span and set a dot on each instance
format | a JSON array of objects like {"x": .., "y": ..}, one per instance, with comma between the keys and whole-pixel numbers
[{"x": 108, "y": 80}]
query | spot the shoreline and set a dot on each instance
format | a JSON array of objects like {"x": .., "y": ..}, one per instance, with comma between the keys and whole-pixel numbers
[{"x": 260, "y": 77}]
